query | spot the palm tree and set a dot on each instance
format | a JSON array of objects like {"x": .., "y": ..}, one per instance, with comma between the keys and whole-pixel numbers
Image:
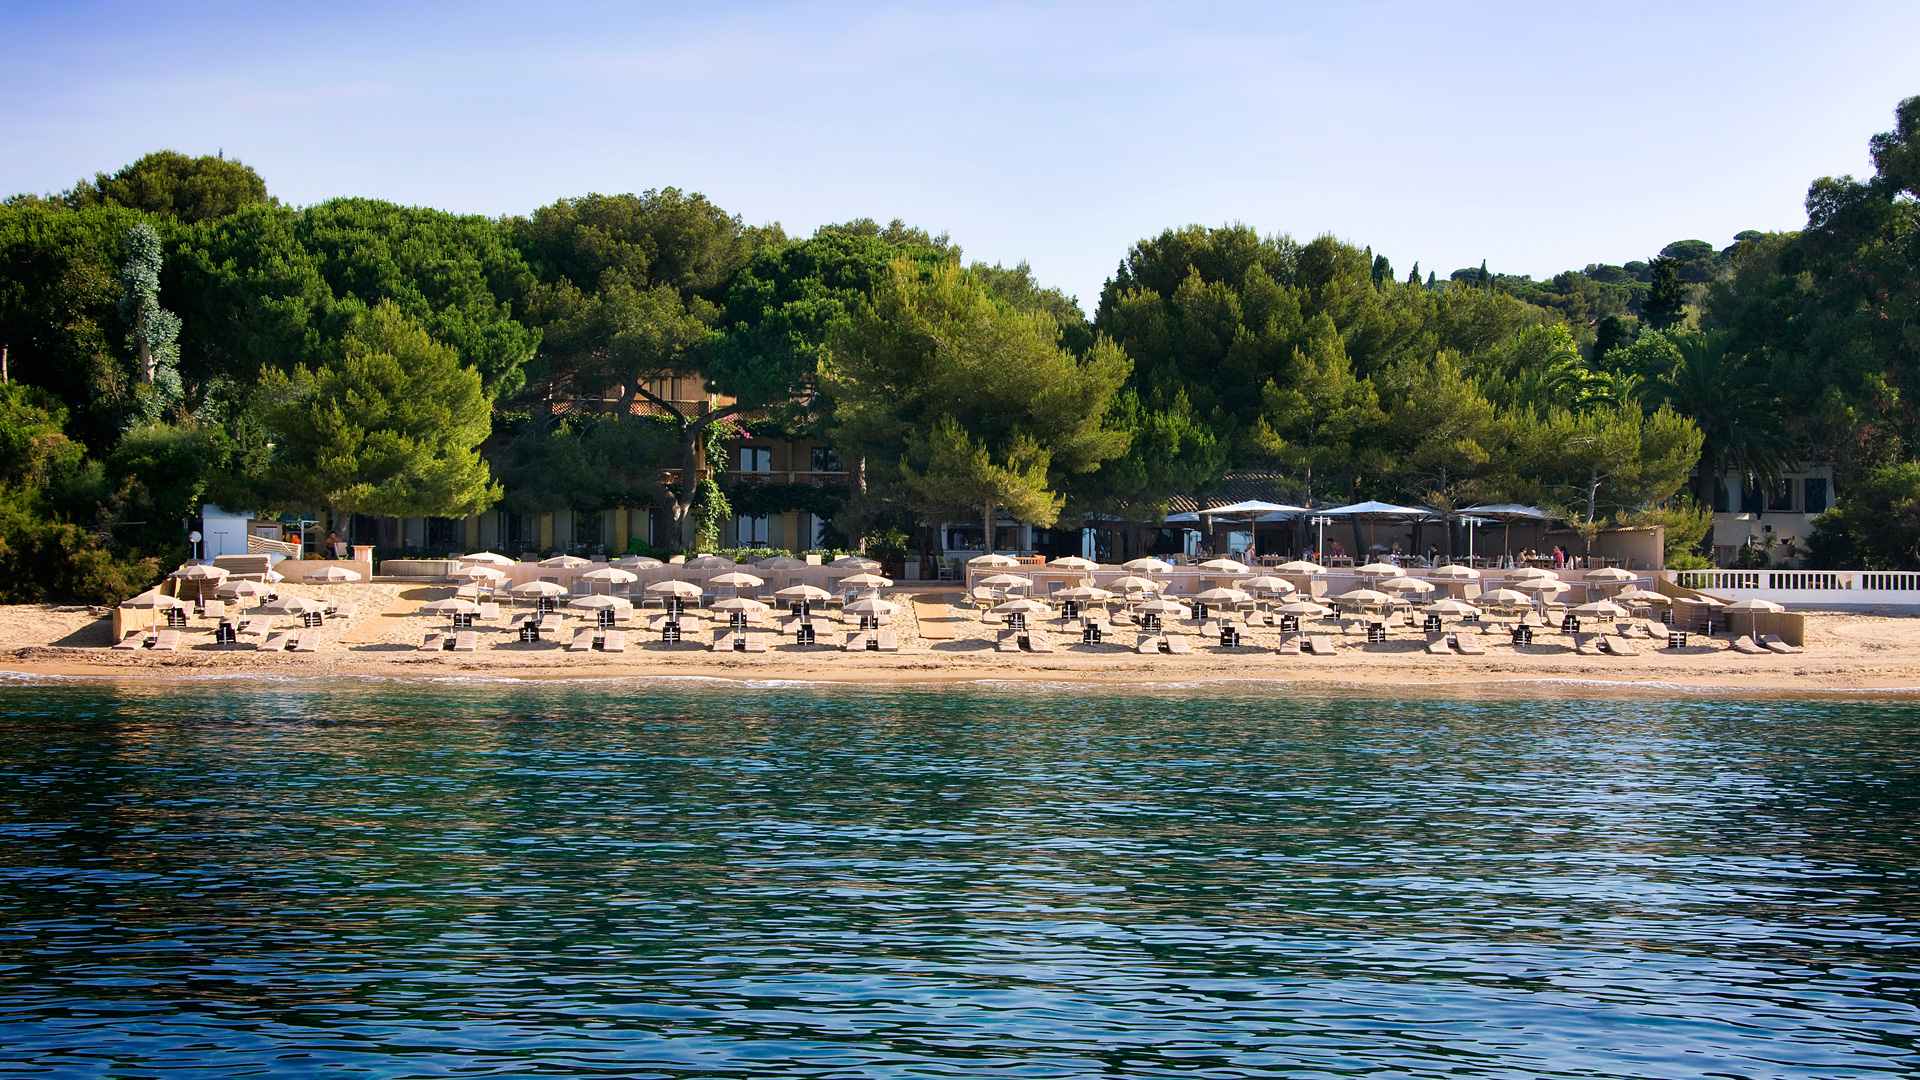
[{"x": 1727, "y": 400}]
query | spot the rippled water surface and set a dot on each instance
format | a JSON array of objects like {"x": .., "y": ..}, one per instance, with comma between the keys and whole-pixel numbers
[{"x": 233, "y": 879}]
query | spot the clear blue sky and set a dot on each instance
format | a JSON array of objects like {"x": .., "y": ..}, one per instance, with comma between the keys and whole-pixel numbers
[{"x": 1536, "y": 136}]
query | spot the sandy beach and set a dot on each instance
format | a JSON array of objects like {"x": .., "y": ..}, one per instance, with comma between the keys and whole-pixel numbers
[{"x": 1844, "y": 652}]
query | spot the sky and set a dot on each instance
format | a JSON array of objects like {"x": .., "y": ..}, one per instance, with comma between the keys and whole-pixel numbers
[{"x": 1536, "y": 137}]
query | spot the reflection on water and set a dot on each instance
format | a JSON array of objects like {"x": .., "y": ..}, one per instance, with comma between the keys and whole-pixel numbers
[{"x": 230, "y": 879}]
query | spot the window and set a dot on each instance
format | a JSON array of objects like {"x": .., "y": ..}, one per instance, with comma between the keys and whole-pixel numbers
[
  {"x": 756, "y": 459},
  {"x": 1780, "y": 499},
  {"x": 824, "y": 460},
  {"x": 588, "y": 528},
  {"x": 1751, "y": 501},
  {"x": 1720, "y": 498},
  {"x": 963, "y": 539},
  {"x": 513, "y": 531},
  {"x": 1816, "y": 494},
  {"x": 752, "y": 530},
  {"x": 446, "y": 534}
]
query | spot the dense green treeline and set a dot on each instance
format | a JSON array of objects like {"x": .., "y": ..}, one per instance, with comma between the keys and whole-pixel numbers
[{"x": 190, "y": 338}]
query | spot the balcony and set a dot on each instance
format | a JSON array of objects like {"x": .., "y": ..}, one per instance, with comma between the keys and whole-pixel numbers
[{"x": 786, "y": 476}]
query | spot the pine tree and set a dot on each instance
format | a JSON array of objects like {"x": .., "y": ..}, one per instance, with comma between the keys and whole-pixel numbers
[{"x": 154, "y": 331}]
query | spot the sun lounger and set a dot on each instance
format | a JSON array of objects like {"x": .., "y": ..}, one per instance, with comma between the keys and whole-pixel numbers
[
  {"x": 582, "y": 641},
  {"x": 435, "y": 641},
  {"x": 1178, "y": 645},
  {"x": 1149, "y": 643},
  {"x": 135, "y": 640},
  {"x": 1437, "y": 644},
  {"x": 306, "y": 641},
  {"x": 1774, "y": 642},
  {"x": 613, "y": 641},
  {"x": 1037, "y": 642},
  {"x": 1289, "y": 645},
  {"x": 755, "y": 642},
  {"x": 214, "y": 609},
  {"x": 1587, "y": 645},
  {"x": 489, "y": 611},
  {"x": 1745, "y": 644},
  {"x": 278, "y": 641},
  {"x": 1319, "y": 645},
  {"x": 887, "y": 641},
  {"x": 1617, "y": 645},
  {"x": 1009, "y": 641},
  {"x": 1469, "y": 645}
]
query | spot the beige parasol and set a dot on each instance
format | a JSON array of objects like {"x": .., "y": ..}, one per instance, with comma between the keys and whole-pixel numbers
[
  {"x": 1600, "y": 609},
  {"x": 1456, "y": 608},
  {"x": 873, "y": 605},
  {"x": 1300, "y": 566},
  {"x": 1610, "y": 573},
  {"x": 333, "y": 575},
  {"x": 151, "y": 599},
  {"x": 736, "y": 580},
  {"x": 1133, "y": 582},
  {"x": 479, "y": 573},
  {"x": 1002, "y": 581},
  {"x": 1226, "y": 566},
  {"x": 803, "y": 592},
  {"x": 983, "y": 560},
  {"x": 200, "y": 572},
  {"x": 1074, "y": 562},
  {"x": 1146, "y": 566},
  {"x": 595, "y": 603},
  {"x": 538, "y": 588},
  {"x": 485, "y": 558},
  {"x": 1407, "y": 584},
  {"x": 870, "y": 581},
  {"x": 294, "y": 605},
  {"x": 674, "y": 588},
  {"x": 565, "y": 562},
  {"x": 1454, "y": 572},
  {"x": 610, "y": 575}
]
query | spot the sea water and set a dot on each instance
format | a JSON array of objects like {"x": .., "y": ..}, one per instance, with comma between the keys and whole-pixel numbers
[{"x": 634, "y": 879}]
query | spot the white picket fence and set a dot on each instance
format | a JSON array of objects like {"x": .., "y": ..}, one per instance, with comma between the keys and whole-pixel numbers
[{"x": 1809, "y": 588}]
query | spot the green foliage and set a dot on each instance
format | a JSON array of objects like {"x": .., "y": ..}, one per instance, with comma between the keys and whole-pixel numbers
[
  {"x": 159, "y": 476},
  {"x": 153, "y": 334},
  {"x": 1665, "y": 305},
  {"x": 168, "y": 184},
  {"x": 709, "y": 514},
  {"x": 392, "y": 427},
  {"x": 1875, "y": 526},
  {"x": 753, "y": 499},
  {"x": 1686, "y": 524}
]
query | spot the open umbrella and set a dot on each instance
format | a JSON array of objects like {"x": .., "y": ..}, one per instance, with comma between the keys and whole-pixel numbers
[
  {"x": 737, "y": 580},
  {"x": 1747, "y": 606},
  {"x": 1165, "y": 607},
  {"x": 1542, "y": 585},
  {"x": 1146, "y": 566},
  {"x": 1610, "y": 573},
  {"x": 1454, "y": 608},
  {"x": 1505, "y": 598},
  {"x": 873, "y": 605},
  {"x": 151, "y": 599},
  {"x": 710, "y": 562},
  {"x": 1074, "y": 562},
  {"x": 803, "y": 592},
  {"x": 1226, "y": 566},
  {"x": 674, "y": 588},
  {"x": 485, "y": 558},
  {"x": 1302, "y": 607},
  {"x": 1637, "y": 595},
  {"x": 739, "y": 603},
  {"x": 1002, "y": 581},
  {"x": 295, "y": 605},
  {"x": 1454, "y": 572},
  {"x": 538, "y": 588},
  {"x": 1363, "y": 597},
  {"x": 333, "y": 575},
  {"x": 1600, "y": 609},
  {"x": 479, "y": 573},
  {"x": 1083, "y": 594},
  {"x": 1133, "y": 583},
  {"x": 637, "y": 562},
  {"x": 565, "y": 562},
  {"x": 610, "y": 575},
  {"x": 875, "y": 581},
  {"x": 1533, "y": 573},
  {"x": 781, "y": 562},
  {"x": 200, "y": 572},
  {"x": 983, "y": 561},
  {"x": 595, "y": 603},
  {"x": 1222, "y": 596},
  {"x": 237, "y": 589},
  {"x": 1300, "y": 566},
  {"x": 1378, "y": 569},
  {"x": 449, "y": 606},
  {"x": 1407, "y": 584},
  {"x": 1266, "y": 583}
]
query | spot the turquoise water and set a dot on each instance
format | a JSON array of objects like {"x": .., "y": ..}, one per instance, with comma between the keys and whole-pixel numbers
[{"x": 646, "y": 880}]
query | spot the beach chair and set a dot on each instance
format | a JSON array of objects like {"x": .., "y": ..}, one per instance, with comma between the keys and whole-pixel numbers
[
  {"x": 489, "y": 611},
  {"x": 1774, "y": 643},
  {"x": 258, "y": 627},
  {"x": 215, "y": 610},
  {"x": 306, "y": 641},
  {"x": 1587, "y": 645},
  {"x": 1038, "y": 642},
  {"x": 1617, "y": 645},
  {"x": 1319, "y": 645},
  {"x": 582, "y": 640},
  {"x": 754, "y": 641},
  {"x": 887, "y": 641},
  {"x": 1178, "y": 645},
  {"x": 1437, "y": 643},
  {"x": 349, "y": 610},
  {"x": 614, "y": 641},
  {"x": 1009, "y": 641},
  {"x": 1289, "y": 645},
  {"x": 135, "y": 640},
  {"x": 1469, "y": 645},
  {"x": 1745, "y": 644},
  {"x": 1149, "y": 644},
  {"x": 435, "y": 641},
  {"x": 278, "y": 641}
]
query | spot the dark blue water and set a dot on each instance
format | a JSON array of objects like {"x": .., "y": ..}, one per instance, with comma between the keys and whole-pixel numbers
[{"x": 367, "y": 878}]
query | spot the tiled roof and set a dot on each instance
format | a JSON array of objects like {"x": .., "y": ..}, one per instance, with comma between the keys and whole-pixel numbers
[{"x": 1239, "y": 487}]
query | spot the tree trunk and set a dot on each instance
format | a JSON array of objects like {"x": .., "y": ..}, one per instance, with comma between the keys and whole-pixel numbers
[
  {"x": 992, "y": 516},
  {"x": 857, "y": 481}
]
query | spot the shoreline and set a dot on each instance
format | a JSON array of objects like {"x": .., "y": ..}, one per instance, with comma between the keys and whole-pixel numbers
[{"x": 1847, "y": 654}]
